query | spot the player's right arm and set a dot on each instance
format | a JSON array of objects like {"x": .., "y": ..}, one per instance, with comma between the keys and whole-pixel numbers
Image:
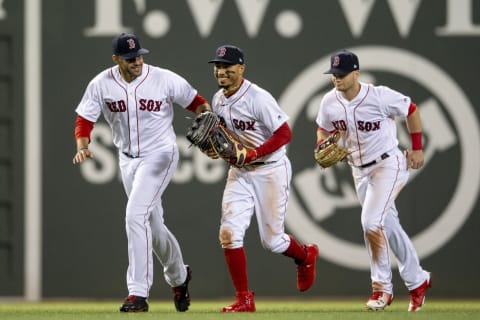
[
  {"x": 83, "y": 129},
  {"x": 88, "y": 111},
  {"x": 322, "y": 134},
  {"x": 321, "y": 119}
]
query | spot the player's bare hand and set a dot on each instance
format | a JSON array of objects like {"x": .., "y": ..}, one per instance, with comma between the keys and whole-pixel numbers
[
  {"x": 82, "y": 155},
  {"x": 414, "y": 158}
]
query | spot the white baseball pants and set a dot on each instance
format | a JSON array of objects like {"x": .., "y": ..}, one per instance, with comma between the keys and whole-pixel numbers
[
  {"x": 377, "y": 188},
  {"x": 145, "y": 179}
]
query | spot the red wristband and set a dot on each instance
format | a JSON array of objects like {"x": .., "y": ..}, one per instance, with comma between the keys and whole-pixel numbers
[{"x": 416, "y": 138}]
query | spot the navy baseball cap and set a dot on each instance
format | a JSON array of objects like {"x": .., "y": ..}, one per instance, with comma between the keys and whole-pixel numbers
[
  {"x": 228, "y": 54},
  {"x": 343, "y": 62},
  {"x": 127, "y": 46}
]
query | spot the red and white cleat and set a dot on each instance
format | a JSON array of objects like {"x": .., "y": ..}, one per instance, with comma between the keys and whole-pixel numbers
[
  {"x": 244, "y": 303},
  {"x": 417, "y": 296},
  {"x": 379, "y": 300},
  {"x": 306, "y": 269}
]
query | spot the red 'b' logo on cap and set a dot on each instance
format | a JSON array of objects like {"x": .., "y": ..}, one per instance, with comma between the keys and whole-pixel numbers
[
  {"x": 336, "y": 61},
  {"x": 222, "y": 51},
  {"x": 131, "y": 44}
]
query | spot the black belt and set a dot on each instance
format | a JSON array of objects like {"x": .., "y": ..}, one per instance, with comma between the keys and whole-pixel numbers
[
  {"x": 259, "y": 163},
  {"x": 371, "y": 163},
  {"x": 129, "y": 155}
]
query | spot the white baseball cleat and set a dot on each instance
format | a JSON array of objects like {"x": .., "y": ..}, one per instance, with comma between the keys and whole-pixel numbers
[{"x": 379, "y": 300}]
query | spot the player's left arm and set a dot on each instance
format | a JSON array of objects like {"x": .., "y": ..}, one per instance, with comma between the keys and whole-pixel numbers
[
  {"x": 280, "y": 137},
  {"x": 415, "y": 156},
  {"x": 266, "y": 110}
]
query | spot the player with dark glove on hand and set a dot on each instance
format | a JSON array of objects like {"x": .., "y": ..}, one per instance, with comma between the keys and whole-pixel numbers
[
  {"x": 216, "y": 141},
  {"x": 252, "y": 137},
  {"x": 230, "y": 149}
]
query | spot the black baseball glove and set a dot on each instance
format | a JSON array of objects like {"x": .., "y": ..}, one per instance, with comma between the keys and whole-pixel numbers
[
  {"x": 228, "y": 147},
  {"x": 199, "y": 131}
]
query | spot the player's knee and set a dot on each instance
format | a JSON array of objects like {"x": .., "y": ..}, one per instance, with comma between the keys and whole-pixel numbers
[
  {"x": 226, "y": 237},
  {"x": 137, "y": 212},
  {"x": 370, "y": 225},
  {"x": 377, "y": 243},
  {"x": 267, "y": 245},
  {"x": 132, "y": 218},
  {"x": 275, "y": 245}
]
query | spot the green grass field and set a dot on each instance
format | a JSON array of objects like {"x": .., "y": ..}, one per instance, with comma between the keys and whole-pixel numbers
[{"x": 267, "y": 309}]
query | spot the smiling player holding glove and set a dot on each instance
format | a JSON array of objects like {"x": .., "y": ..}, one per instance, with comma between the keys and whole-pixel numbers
[{"x": 259, "y": 177}]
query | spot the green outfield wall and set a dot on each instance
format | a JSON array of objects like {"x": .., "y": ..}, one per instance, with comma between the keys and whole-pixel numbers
[{"x": 428, "y": 49}]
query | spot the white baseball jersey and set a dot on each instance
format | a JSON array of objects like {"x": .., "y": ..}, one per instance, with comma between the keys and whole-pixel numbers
[
  {"x": 253, "y": 114},
  {"x": 368, "y": 120},
  {"x": 140, "y": 113}
]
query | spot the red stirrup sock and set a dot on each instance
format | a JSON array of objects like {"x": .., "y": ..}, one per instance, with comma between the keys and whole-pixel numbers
[
  {"x": 237, "y": 265},
  {"x": 295, "y": 251}
]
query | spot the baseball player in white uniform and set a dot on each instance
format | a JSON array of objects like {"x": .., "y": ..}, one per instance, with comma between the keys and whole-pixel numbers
[
  {"x": 366, "y": 114},
  {"x": 137, "y": 100},
  {"x": 260, "y": 187}
]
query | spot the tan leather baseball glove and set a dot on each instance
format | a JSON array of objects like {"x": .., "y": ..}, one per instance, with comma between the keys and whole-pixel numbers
[{"x": 328, "y": 152}]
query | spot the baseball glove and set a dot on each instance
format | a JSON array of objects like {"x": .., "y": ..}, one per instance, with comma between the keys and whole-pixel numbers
[
  {"x": 227, "y": 146},
  {"x": 199, "y": 131},
  {"x": 328, "y": 152}
]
